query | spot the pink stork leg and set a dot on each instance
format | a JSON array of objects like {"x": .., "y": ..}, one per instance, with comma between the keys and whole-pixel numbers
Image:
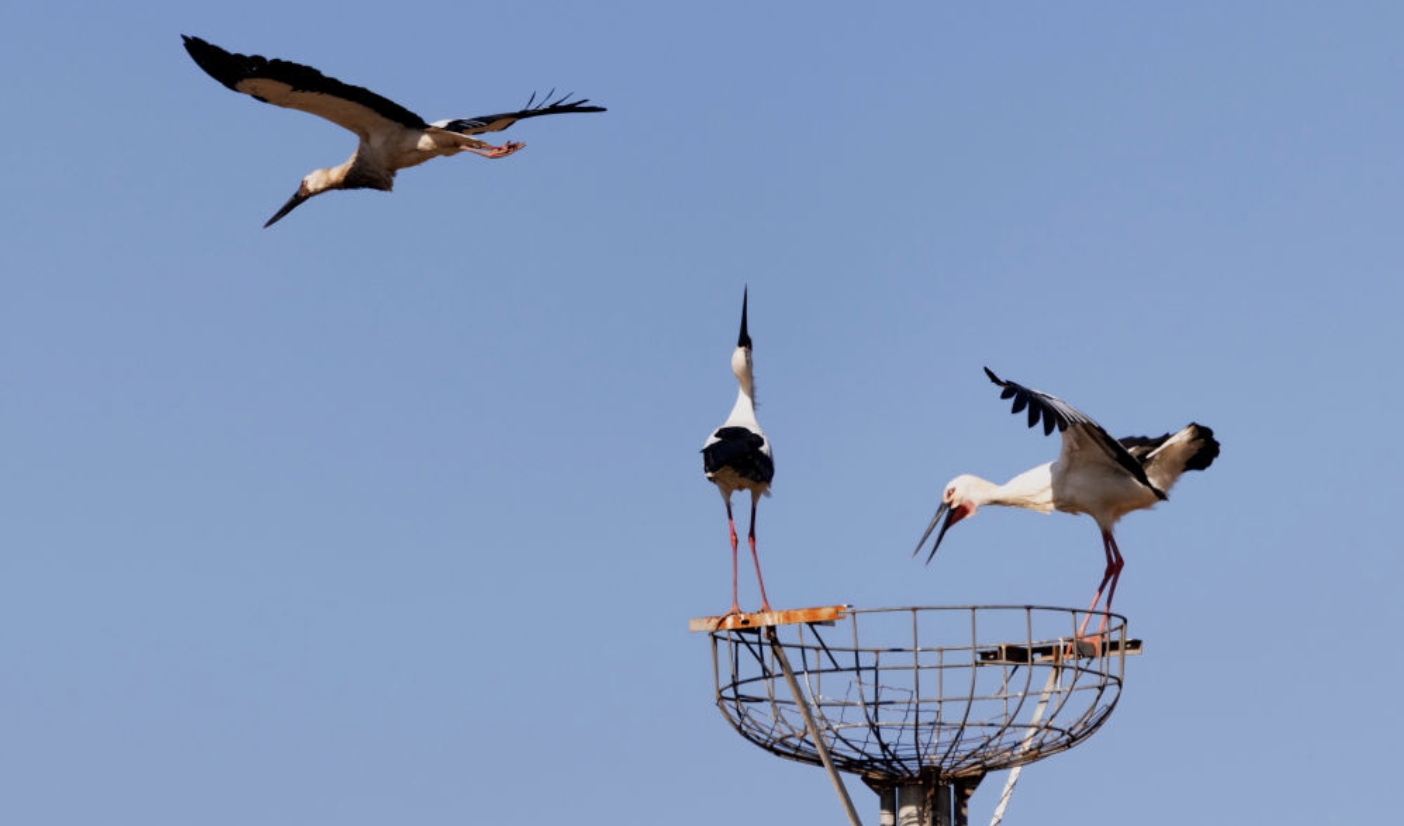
[
  {"x": 1112, "y": 574},
  {"x": 731, "y": 524},
  {"x": 1116, "y": 574},
  {"x": 765, "y": 602}
]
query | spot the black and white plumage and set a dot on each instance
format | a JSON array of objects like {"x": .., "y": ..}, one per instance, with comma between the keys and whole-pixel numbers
[
  {"x": 391, "y": 137},
  {"x": 737, "y": 455},
  {"x": 1094, "y": 474}
]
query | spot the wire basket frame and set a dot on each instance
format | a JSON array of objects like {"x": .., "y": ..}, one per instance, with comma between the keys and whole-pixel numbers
[{"x": 907, "y": 693}]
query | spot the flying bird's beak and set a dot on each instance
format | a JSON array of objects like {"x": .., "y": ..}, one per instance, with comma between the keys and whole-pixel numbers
[
  {"x": 298, "y": 197},
  {"x": 953, "y": 515},
  {"x": 745, "y": 339}
]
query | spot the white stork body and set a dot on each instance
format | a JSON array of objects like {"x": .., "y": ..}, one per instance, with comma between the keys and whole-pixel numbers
[
  {"x": 737, "y": 455},
  {"x": 391, "y": 137},
  {"x": 1093, "y": 474}
]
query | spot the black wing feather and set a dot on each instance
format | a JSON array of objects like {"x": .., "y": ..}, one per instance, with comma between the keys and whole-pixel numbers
[
  {"x": 1141, "y": 447},
  {"x": 1054, "y": 411},
  {"x": 498, "y": 122},
  {"x": 231, "y": 69},
  {"x": 1207, "y": 453},
  {"x": 740, "y": 449}
]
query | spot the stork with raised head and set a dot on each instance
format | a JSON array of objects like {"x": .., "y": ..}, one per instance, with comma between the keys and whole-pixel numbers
[
  {"x": 1094, "y": 474},
  {"x": 737, "y": 455},
  {"x": 391, "y": 137}
]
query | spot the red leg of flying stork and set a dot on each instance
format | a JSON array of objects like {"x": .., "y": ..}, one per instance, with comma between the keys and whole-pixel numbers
[
  {"x": 765, "y": 602},
  {"x": 1111, "y": 575},
  {"x": 496, "y": 151}
]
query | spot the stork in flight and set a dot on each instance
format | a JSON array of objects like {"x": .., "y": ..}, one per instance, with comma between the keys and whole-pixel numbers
[
  {"x": 1094, "y": 474},
  {"x": 391, "y": 137},
  {"x": 737, "y": 455}
]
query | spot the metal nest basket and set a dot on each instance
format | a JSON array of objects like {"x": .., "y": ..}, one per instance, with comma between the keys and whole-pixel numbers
[{"x": 928, "y": 695}]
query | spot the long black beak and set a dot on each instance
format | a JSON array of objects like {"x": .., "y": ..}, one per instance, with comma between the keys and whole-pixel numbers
[
  {"x": 745, "y": 339},
  {"x": 298, "y": 197},
  {"x": 945, "y": 510}
]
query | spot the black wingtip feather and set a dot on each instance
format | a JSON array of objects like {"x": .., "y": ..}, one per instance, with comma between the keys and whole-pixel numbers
[
  {"x": 1023, "y": 397},
  {"x": 535, "y": 107},
  {"x": 1208, "y": 451},
  {"x": 226, "y": 67}
]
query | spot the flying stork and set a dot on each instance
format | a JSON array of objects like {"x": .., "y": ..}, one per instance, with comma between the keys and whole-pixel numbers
[
  {"x": 737, "y": 455},
  {"x": 1094, "y": 474},
  {"x": 391, "y": 137}
]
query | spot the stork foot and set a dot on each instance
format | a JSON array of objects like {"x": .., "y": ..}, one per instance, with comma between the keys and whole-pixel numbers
[
  {"x": 732, "y": 619},
  {"x": 1087, "y": 646},
  {"x": 497, "y": 151}
]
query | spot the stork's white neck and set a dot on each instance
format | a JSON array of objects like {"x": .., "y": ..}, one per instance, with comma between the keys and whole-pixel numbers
[
  {"x": 321, "y": 180},
  {"x": 744, "y": 412},
  {"x": 1032, "y": 489}
]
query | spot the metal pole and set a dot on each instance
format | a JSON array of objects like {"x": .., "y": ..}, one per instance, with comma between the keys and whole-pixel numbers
[
  {"x": 932, "y": 801},
  {"x": 818, "y": 741},
  {"x": 1024, "y": 746},
  {"x": 919, "y": 804},
  {"x": 887, "y": 797},
  {"x": 964, "y": 788}
]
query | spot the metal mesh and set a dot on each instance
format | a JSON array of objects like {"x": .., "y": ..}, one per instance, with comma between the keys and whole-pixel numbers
[{"x": 901, "y": 693}]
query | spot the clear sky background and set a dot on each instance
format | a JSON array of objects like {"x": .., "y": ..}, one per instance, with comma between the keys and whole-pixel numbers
[{"x": 394, "y": 513}]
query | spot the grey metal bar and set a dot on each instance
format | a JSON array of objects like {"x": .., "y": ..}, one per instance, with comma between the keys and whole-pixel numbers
[{"x": 814, "y": 733}]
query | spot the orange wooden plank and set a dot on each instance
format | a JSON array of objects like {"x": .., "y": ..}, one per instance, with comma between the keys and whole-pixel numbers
[{"x": 826, "y": 615}]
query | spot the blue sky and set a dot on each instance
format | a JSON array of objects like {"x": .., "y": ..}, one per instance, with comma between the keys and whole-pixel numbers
[{"x": 394, "y": 513}]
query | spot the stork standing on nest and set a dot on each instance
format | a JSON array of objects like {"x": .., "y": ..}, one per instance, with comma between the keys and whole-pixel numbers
[
  {"x": 1094, "y": 474},
  {"x": 391, "y": 137},
  {"x": 737, "y": 455}
]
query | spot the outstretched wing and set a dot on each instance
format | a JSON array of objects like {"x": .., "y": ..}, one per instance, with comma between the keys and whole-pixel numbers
[
  {"x": 496, "y": 123},
  {"x": 1057, "y": 413},
  {"x": 294, "y": 86}
]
